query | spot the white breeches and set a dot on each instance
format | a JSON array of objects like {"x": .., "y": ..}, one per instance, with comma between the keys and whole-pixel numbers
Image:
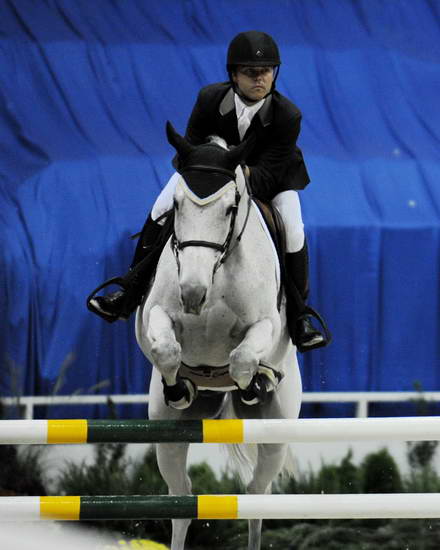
[
  {"x": 164, "y": 201},
  {"x": 289, "y": 207},
  {"x": 286, "y": 202}
]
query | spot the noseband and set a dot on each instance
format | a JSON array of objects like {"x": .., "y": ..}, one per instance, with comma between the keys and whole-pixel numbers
[{"x": 224, "y": 248}]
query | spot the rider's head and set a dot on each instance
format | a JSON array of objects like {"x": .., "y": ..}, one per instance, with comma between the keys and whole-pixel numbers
[{"x": 253, "y": 62}]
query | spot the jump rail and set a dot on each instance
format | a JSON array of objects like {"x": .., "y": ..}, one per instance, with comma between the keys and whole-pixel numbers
[
  {"x": 14, "y": 432},
  {"x": 140, "y": 507},
  {"x": 345, "y": 506}
]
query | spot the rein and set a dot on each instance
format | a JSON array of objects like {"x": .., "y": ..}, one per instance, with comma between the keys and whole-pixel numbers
[{"x": 224, "y": 248}]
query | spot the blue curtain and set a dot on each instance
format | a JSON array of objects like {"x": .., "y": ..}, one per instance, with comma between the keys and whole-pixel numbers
[{"x": 85, "y": 90}]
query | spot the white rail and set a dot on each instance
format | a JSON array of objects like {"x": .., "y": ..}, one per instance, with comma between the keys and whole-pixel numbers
[
  {"x": 360, "y": 399},
  {"x": 330, "y": 506}
]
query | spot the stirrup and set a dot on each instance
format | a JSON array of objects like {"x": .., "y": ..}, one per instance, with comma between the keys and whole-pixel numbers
[{"x": 327, "y": 337}]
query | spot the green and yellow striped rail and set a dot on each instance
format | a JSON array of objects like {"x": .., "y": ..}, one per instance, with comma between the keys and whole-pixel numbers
[
  {"x": 120, "y": 431},
  {"x": 16, "y": 432},
  {"x": 345, "y": 506}
]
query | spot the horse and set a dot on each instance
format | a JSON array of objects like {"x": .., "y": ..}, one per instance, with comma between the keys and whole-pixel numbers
[{"x": 213, "y": 322}]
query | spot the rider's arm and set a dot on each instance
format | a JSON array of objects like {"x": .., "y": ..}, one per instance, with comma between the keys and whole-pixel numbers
[
  {"x": 196, "y": 130},
  {"x": 198, "y": 127},
  {"x": 281, "y": 159}
]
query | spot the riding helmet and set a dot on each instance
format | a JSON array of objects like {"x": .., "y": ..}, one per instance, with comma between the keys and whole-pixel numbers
[{"x": 253, "y": 48}]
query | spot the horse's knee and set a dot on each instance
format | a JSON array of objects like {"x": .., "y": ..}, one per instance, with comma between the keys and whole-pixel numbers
[
  {"x": 243, "y": 366},
  {"x": 166, "y": 358}
]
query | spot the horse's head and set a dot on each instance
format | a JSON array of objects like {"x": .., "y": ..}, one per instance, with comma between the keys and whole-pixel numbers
[{"x": 206, "y": 203}]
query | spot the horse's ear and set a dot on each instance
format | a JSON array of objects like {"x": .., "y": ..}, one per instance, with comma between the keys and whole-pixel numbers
[
  {"x": 180, "y": 144},
  {"x": 240, "y": 153}
]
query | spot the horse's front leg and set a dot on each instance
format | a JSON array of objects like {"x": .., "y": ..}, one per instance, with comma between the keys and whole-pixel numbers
[
  {"x": 245, "y": 360},
  {"x": 166, "y": 354}
]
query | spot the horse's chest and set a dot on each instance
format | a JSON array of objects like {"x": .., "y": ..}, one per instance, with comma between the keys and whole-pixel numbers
[{"x": 209, "y": 337}]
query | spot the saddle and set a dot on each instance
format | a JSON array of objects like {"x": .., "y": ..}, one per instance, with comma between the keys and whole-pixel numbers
[{"x": 275, "y": 224}]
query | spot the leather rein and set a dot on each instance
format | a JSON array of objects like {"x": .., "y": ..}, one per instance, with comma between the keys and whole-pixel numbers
[{"x": 225, "y": 248}]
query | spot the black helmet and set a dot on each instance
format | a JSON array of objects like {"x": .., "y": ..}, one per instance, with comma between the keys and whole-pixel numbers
[{"x": 253, "y": 48}]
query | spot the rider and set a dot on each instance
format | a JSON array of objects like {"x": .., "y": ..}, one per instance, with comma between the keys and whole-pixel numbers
[{"x": 247, "y": 103}]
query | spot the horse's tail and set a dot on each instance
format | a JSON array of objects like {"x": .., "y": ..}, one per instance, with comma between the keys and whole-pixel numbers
[
  {"x": 243, "y": 457},
  {"x": 290, "y": 467}
]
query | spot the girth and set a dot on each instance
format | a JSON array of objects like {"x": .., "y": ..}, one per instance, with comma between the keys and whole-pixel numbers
[{"x": 205, "y": 376}]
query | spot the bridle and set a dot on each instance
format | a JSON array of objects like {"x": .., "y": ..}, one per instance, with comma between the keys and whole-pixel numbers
[{"x": 225, "y": 248}]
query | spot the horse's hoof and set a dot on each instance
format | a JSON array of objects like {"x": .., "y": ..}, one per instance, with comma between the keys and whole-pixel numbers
[
  {"x": 249, "y": 399},
  {"x": 181, "y": 395},
  {"x": 256, "y": 392},
  {"x": 265, "y": 381}
]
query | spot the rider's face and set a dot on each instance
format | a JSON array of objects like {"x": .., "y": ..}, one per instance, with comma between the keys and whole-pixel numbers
[{"x": 253, "y": 82}]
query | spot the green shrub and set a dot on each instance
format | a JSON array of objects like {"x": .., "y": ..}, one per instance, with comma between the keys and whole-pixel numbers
[
  {"x": 380, "y": 474},
  {"x": 22, "y": 470}
]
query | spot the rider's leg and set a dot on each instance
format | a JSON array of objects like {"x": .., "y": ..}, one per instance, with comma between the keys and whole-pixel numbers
[
  {"x": 120, "y": 304},
  {"x": 305, "y": 335}
]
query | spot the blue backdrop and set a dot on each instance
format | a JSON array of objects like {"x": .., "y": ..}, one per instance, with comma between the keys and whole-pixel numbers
[{"x": 85, "y": 90}]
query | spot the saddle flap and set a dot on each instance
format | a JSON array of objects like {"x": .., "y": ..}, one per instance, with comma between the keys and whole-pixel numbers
[{"x": 274, "y": 222}]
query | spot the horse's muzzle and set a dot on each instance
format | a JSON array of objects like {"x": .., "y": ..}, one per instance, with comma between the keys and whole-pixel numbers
[{"x": 193, "y": 297}]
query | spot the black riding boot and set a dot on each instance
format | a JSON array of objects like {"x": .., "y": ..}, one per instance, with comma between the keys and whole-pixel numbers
[
  {"x": 122, "y": 303},
  {"x": 304, "y": 335}
]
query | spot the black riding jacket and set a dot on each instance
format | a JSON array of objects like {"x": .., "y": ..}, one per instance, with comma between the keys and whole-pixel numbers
[{"x": 276, "y": 163}]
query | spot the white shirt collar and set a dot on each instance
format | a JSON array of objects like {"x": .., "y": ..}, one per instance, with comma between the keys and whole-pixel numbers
[{"x": 250, "y": 110}]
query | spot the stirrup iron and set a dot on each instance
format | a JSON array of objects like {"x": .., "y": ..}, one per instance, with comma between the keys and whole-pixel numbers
[{"x": 310, "y": 312}]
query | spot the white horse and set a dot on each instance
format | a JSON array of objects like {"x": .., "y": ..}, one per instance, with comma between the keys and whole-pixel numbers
[{"x": 212, "y": 324}]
